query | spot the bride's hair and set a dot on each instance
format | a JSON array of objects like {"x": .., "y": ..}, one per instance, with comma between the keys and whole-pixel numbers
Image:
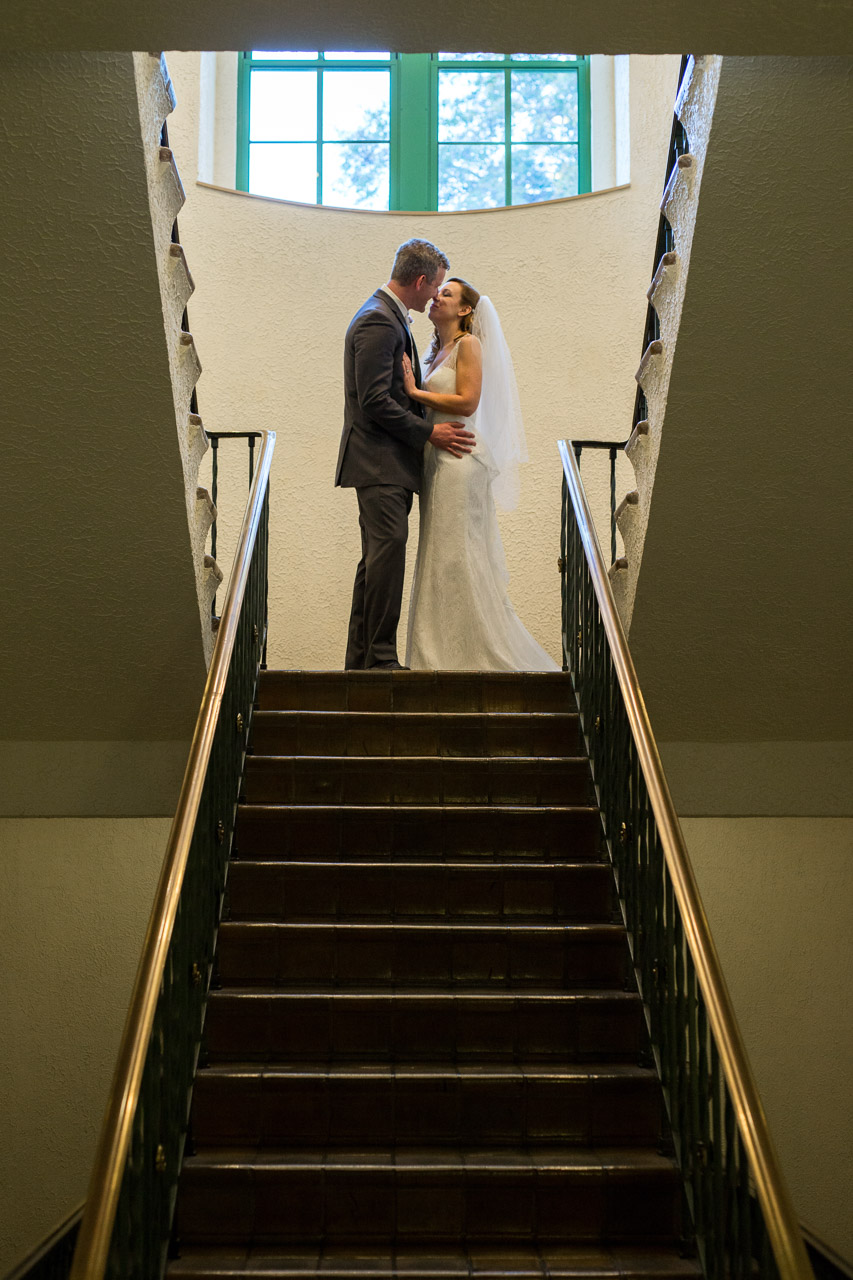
[{"x": 469, "y": 297}]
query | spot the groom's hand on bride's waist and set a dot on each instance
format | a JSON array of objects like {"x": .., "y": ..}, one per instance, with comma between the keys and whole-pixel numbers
[{"x": 453, "y": 438}]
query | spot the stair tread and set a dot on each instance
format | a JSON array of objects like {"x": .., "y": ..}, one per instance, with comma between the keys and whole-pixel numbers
[
  {"x": 431, "y": 1070},
  {"x": 528, "y": 994},
  {"x": 384, "y": 762},
  {"x": 524, "y": 1159},
  {"x": 352, "y": 675},
  {"x": 515, "y": 716},
  {"x": 524, "y": 1262},
  {"x": 327, "y": 865},
  {"x": 433, "y": 924},
  {"x": 455, "y": 922},
  {"x": 401, "y": 810}
]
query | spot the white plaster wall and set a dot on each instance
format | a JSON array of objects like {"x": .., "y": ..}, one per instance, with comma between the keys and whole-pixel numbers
[
  {"x": 779, "y": 893},
  {"x": 75, "y": 894},
  {"x": 276, "y": 286}
]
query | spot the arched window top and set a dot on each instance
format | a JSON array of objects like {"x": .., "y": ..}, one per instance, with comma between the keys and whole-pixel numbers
[{"x": 444, "y": 131}]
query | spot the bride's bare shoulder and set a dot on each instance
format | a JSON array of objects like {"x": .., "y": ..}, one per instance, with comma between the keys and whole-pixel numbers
[{"x": 468, "y": 347}]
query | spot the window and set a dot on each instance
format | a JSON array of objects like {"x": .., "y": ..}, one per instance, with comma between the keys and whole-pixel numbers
[{"x": 413, "y": 131}]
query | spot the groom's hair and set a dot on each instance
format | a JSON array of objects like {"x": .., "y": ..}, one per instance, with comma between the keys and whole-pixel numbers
[{"x": 418, "y": 258}]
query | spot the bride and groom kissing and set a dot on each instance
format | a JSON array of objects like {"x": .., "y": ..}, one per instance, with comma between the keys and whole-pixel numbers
[{"x": 454, "y": 435}]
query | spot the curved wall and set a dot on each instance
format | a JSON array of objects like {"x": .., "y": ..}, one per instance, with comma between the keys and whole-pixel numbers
[{"x": 278, "y": 283}]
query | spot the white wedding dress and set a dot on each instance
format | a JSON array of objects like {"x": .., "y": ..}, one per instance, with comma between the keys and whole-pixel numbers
[{"x": 460, "y": 617}]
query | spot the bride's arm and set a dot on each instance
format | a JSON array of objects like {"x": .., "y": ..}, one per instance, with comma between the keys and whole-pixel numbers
[{"x": 469, "y": 380}]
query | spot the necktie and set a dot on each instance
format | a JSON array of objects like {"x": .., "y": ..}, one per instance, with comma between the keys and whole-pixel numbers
[{"x": 416, "y": 364}]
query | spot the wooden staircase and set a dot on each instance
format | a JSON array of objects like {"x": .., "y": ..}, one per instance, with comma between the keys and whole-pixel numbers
[{"x": 425, "y": 1055}]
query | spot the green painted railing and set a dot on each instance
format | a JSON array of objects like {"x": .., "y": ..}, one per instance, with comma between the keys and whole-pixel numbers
[
  {"x": 128, "y": 1215},
  {"x": 720, "y": 1132}
]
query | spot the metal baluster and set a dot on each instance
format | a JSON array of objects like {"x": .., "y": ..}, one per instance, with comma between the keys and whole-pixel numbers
[
  {"x": 562, "y": 569},
  {"x": 214, "y": 490},
  {"x": 730, "y": 1200},
  {"x": 680, "y": 1090},
  {"x": 744, "y": 1214},
  {"x": 716, "y": 1244},
  {"x": 613, "y": 505},
  {"x": 671, "y": 1078},
  {"x": 702, "y": 1209},
  {"x": 657, "y": 960},
  {"x": 630, "y": 841},
  {"x": 265, "y": 552},
  {"x": 692, "y": 1081},
  {"x": 642, "y": 950}
]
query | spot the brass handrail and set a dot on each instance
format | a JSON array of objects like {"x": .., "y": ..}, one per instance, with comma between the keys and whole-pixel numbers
[
  {"x": 771, "y": 1188},
  {"x": 90, "y": 1258}
]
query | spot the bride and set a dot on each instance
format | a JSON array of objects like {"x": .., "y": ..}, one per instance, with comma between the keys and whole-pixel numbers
[{"x": 460, "y": 617}]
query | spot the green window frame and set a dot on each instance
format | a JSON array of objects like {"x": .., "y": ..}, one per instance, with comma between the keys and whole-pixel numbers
[{"x": 414, "y": 115}]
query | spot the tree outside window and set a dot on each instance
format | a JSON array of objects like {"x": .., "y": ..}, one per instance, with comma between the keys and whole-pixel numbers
[{"x": 413, "y": 131}]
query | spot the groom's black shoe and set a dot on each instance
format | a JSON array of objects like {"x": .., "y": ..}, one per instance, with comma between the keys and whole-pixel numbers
[{"x": 388, "y": 666}]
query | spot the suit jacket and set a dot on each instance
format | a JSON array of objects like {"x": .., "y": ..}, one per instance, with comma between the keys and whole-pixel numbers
[{"x": 384, "y": 431}]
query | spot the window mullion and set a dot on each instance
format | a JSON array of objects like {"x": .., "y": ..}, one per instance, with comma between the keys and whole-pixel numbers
[
  {"x": 584, "y": 127},
  {"x": 414, "y": 146},
  {"x": 414, "y": 141},
  {"x": 508, "y": 136},
  {"x": 244, "y": 88},
  {"x": 319, "y": 75}
]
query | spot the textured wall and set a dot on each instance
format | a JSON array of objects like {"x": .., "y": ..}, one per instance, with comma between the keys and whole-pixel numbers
[
  {"x": 74, "y": 901},
  {"x": 695, "y": 111},
  {"x": 276, "y": 285},
  {"x": 746, "y": 568},
  {"x": 778, "y": 893},
  {"x": 101, "y": 637},
  {"x": 664, "y": 26},
  {"x": 166, "y": 197}
]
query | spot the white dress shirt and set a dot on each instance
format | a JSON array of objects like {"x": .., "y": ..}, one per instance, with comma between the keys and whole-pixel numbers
[{"x": 404, "y": 310}]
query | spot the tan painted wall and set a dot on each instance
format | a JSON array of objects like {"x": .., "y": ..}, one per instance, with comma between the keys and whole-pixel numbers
[
  {"x": 102, "y": 643},
  {"x": 664, "y": 26},
  {"x": 74, "y": 901},
  {"x": 778, "y": 894},
  {"x": 278, "y": 283},
  {"x": 747, "y": 571}
]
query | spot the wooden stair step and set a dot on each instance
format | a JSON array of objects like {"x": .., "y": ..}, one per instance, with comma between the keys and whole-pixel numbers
[
  {"x": 347, "y": 954},
  {"x": 425, "y": 1025},
  {"x": 415, "y": 733},
  {"x": 435, "y": 1262},
  {"x": 457, "y": 890},
  {"x": 560, "y": 833},
  {"x": 435, "y": 1103},
  {"x": 426, "y": 1193},
  {"x": 415, "y": 691},
  {"x": 416, "y": 780}
]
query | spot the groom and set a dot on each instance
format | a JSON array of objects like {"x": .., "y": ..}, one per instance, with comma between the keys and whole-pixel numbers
[{"x": 382, "y": 447}]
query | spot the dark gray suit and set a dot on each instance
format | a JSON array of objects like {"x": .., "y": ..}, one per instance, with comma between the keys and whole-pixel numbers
[{"x": 381, "y": 455}]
